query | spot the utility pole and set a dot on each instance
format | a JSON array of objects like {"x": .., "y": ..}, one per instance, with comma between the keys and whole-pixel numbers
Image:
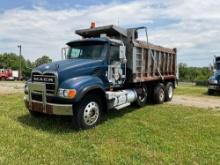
[{"x": 20, "y": 72}]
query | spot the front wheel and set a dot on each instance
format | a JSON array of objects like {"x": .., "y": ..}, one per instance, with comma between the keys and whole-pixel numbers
[{"x": 88, "y": 112}]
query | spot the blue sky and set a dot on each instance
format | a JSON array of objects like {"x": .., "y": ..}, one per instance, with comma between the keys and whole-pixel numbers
[
  {"x": 44, "y": 26},
  {"x": 52, "y": 4}
]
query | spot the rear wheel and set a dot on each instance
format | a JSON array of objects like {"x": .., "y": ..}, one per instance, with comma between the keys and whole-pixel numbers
[
  {"x": 169, "y": 91},
  {"x": 159, "y": 94},
  {"x": 141, "y": 97},
  {"x": 88, "y": 112}
]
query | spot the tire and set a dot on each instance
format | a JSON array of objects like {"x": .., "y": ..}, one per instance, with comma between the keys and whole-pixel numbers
[
  {"x": 88, "y": 112},
  {"x": 35, "y": 114},
  {"x": 2, "y": 79},
  {"x": 169, "y": 91},
  {"x": 141, "y": 97},
  {"x": 210, "y": 92},
  {"x": 150, "y": 99},
  {"x": 159, "y": 94}
]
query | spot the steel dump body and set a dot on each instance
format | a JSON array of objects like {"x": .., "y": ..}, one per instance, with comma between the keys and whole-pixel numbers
[
  {"x": 150, "y": 62},
  {"x": 145, "y": 61}
]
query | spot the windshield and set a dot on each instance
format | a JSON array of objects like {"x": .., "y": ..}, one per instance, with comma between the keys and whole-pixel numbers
[
  {"x": 218, "y": 66},
  {"x": 86, "y": 50}
]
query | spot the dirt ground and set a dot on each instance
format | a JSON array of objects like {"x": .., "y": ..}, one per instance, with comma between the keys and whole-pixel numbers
[
  {"x": 195, "y": 101},
  {"x": 201, "y": 102},
  {"x": 11, "y": 87}
]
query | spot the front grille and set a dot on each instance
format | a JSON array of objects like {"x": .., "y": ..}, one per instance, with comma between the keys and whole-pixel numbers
[{"x": 50, "y": 79}]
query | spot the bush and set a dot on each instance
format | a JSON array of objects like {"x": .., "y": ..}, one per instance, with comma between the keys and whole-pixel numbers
[
  {"x": 201, "y": 82},
  {"x": 193, "y": 74}
]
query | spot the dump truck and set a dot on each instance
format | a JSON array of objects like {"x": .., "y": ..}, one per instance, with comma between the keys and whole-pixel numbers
[
  {"x": 107, "y": 68},
  {"x": 214, "y": 80}
]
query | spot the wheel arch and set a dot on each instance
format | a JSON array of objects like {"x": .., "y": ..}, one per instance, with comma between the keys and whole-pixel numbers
[
  {"x": 173, "y": 81},
  {"x": 94, "y": 90}
]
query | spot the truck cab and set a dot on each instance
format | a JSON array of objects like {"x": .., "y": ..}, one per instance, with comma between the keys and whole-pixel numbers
[
  {"x": 100, "y": 72},
  {"x": 214, "y": 80}
]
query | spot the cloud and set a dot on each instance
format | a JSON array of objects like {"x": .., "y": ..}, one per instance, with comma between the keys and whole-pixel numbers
[{"x": 190, "y": 25}]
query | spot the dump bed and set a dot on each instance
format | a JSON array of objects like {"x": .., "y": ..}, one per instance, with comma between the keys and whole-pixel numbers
[
  {"x": 145, "y": 61},
  {"x": 148, "y": 62}
]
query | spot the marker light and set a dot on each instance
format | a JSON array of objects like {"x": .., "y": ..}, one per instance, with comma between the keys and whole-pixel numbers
[
  {"x": 72, "y": 93},
  {"x": 93, "y": 25}
]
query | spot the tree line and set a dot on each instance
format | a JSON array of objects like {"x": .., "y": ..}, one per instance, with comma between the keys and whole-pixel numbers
[
  {"x": 12, "y": 60},
  {"x": 193, "y": 74}
]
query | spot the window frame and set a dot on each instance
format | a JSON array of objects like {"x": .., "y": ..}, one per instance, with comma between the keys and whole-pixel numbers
[{"x": 110, "y": 48}]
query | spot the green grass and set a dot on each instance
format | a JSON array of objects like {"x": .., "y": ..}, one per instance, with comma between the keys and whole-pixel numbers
[
  {"x": 191, "y": 89},
  {"x": 155, "y": 134}
]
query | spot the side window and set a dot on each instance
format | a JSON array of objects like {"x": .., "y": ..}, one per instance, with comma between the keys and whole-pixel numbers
[
  {"x": 114, "y": 53},
  {"x": 75, "y": 53}
]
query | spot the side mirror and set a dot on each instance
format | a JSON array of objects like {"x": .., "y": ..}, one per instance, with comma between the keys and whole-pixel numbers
[
  {"x": 64, "y": 52},
  {"x": 122, "y": 56}
]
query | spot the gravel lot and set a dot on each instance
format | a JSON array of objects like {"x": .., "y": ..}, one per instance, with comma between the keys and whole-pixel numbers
[
  {"x": 195, "y": 101},
  {"x": 9, "y": 87}
]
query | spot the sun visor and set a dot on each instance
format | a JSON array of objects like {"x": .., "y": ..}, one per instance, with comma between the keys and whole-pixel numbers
[{"x": 110, "y": 30}]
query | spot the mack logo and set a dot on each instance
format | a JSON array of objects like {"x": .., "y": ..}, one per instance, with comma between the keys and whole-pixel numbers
[{"x": 43, "y": 79}]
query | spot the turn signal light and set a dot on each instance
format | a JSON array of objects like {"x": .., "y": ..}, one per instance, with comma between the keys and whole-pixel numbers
[{"x": 72, "y": 93}]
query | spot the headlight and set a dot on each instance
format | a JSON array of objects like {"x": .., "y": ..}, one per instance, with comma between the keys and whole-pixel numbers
[
  {"x": 67, "y": 93},
  {"x": 213, "y": 81}
]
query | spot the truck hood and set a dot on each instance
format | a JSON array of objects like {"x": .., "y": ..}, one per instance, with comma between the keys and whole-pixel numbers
[
  {"x": 70, "y": 68},
  {"x": 215, "y": 76},
  {"x": 217, "y": 72},
  {"x": 63, "y": 65}
]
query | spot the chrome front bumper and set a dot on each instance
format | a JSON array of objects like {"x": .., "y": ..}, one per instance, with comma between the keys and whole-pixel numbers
[{"x": 43, "y": 106}]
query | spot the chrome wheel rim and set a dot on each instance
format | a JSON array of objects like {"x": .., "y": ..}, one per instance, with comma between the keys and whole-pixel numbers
[
  {"x": 91, "y": 113},
  {"x": 161, "y": 95},
  {"x": 142, "y": 96},
  {"x": 170, "y": 92}
]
